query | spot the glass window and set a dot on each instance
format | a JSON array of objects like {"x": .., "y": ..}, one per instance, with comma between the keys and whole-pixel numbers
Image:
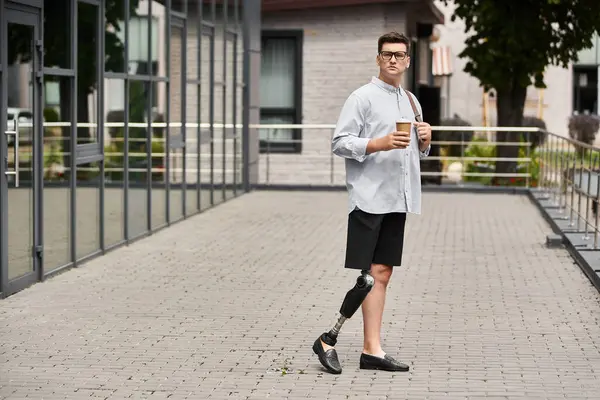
[
  {"x": 159, "y": 158},
  {"x": 179, "y": 5},
  {"x": 158, "y": 33},
  {"x": 57, "y": 161},
  {"x": 278, "y": 86},
  {"x": 138, "y": 157},
  {"x": 114, "y": 160},
  {"x": 57, "y": 34},
  {"x": 176, "y": 172},
  {"x": 88, "y": 209},
  {"x": 87, "y": 73},
  {"x": 114, "y": 36}
]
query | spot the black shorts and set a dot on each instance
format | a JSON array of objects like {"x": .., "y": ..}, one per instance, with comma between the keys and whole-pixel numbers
[{"x": 374, "y": 239}]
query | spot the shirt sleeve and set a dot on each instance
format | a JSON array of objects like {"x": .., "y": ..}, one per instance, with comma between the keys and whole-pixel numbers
[
  {"x": 422, "y": 154},
  {"x": 346, "y": 141}
]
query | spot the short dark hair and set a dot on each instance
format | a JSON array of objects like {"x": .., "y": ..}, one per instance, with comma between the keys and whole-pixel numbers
[{"x": 392, "y": 37}]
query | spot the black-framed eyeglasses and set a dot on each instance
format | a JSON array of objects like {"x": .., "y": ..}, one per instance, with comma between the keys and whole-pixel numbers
[{"x": 387, "y": 55}]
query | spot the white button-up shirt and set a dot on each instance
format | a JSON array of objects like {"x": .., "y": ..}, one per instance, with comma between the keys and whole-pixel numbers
[{"x": 385, "y": 181}]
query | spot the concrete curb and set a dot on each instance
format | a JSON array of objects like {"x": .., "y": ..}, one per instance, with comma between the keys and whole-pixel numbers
[{"x": 575, "y": 241}]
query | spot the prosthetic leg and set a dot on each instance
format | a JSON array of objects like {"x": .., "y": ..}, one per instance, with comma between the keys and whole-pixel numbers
[{"x": 352, "y": 301}]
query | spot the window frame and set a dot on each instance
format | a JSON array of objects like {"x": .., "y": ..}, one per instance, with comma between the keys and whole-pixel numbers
[{"x": 296, "y": 147}]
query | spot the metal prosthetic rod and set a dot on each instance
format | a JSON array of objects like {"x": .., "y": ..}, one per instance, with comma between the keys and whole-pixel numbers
[{"x": 352, "y": 301}]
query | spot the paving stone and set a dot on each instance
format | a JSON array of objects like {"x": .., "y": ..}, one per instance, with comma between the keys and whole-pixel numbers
[{"x": 220, "y": 305}]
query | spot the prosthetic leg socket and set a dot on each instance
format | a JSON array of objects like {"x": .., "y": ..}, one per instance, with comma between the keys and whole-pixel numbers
[{"x": 352, "y": 302}]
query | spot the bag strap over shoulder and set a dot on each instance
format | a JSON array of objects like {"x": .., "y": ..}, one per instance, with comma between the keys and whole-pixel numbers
[{"x": 414, "y": 107}]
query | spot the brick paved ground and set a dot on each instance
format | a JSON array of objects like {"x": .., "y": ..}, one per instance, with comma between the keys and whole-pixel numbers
[{"x": 217, "y": 306}]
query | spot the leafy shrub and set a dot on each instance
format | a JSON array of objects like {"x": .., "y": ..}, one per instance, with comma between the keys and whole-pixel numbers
[
  {"x": 584, "y": 127},
  {"x": 481, "y": 148}
]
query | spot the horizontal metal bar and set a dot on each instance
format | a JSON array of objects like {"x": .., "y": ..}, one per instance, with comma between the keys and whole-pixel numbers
[
  {"x": 207, "y": 30},
  {"x": 148, "y": 78},
  {"x": 59, "y": 71},
  {"x": 178, "y": 14},
  {"x": 436, "y": 128},
  {"x": 89, "y": 159},
  {"x": 115, "y": 75}
]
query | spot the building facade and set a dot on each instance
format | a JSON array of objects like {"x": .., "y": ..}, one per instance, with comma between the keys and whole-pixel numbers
[
  {"x": 569, "y": 90},
  {"x": 119, "y": 118},
  {"x": 314, "y": 55}
]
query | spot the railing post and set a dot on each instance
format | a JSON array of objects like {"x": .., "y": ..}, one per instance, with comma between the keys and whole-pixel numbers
[
  {"x": 556, "y": 178},
  {"x": 587, "y": 197},
  {"x": 559, "y": 180},
  {"x": 529, "y": 161},
  {"x": 597, "y": 215},
  {"x": 268, "y": 153},
  {"x": 571, "y": 223}
]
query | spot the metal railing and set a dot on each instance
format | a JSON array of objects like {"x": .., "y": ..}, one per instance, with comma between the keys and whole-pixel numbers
[
  {"x": 569, "y": 182},
  {"x": 561, "y": 169},
  {"x": 225, "y": 146},
  {"x": 564, "y": 171},
  {"x": 467, "y": 159}
]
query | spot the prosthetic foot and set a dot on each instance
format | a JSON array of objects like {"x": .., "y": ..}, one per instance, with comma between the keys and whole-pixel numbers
[{"x": 352, "y": 302}]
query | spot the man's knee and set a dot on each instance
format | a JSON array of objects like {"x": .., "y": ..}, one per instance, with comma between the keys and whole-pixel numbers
[{"x": 381, "y": 273}]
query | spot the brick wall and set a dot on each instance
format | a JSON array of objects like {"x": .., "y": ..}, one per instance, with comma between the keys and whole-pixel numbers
[{"x": 339, "y": 50}]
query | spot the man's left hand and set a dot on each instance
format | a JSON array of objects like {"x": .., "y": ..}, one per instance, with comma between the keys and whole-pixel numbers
[{"x": 424, "y": 133}]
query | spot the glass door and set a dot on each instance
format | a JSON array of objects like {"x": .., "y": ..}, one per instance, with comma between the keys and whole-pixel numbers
[{"x": 20, "y": 152}]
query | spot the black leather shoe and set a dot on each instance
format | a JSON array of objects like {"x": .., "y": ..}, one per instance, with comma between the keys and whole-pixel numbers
[
  {"x": 386, "y": 363},
  {"x": 328, "y": 359}
]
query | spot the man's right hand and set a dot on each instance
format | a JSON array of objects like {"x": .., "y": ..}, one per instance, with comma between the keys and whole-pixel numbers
[{"x": 395, "y": 140}]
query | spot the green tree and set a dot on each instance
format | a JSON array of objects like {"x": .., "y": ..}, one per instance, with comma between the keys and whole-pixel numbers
[
  {"x": 510, "y": 44},
  {"x": 57, "y": 51}
]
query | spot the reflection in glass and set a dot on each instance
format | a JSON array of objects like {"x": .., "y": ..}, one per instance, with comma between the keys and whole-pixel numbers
[
  {"x": 114, "y": 36},
  {"x": 87, "y": 76},
  {"x": 159, "y": 159},
  {"x": 88, "y": 209},
  {"x": 176, "y": 171},
  {"x": 240, "y": 113},
  {"x": 20, "y": 123},
  {"x": 57, "y": 34},
  {"x": 139, "y": 97},
  {"x": 206, "y": 97},
  {"x": 57, "y": 158},
  {"x": 230, "y": 119},
  {"x": 191, "y": 149},
  {"x": 218, "y": 139},
  {"x": 179, "y": 5},
  {"x": 114, "y": 161},
  {"x": 158, "y": 49}
]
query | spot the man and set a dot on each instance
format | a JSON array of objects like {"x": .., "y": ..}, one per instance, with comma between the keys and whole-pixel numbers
[{"x": 383, "y": 180}]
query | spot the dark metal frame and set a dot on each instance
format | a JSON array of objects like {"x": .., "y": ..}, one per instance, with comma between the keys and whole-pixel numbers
[
  {"x": 3, "y": 150},
  {"x": 94, "y": 152},
  {"x": 296, "y": 145},
  {"x": 28, "y": 14}
]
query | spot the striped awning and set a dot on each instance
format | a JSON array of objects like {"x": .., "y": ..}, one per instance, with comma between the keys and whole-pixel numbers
[{"x": 442, "y": 61}]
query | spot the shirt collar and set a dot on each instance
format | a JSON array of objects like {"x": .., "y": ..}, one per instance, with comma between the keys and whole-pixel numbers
[{"x": 386, "y": 86}]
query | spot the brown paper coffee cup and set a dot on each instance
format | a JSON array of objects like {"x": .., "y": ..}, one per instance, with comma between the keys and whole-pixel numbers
[{"x": 403, "y": 126}]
